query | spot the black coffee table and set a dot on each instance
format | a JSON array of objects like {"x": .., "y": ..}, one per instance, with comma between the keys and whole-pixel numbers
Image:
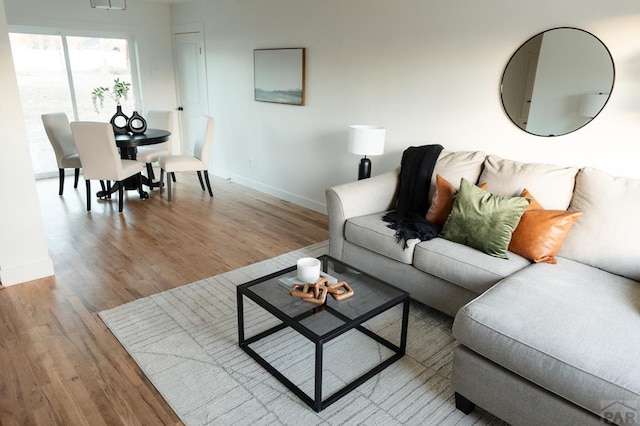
[{"x": 323, "y": 323}]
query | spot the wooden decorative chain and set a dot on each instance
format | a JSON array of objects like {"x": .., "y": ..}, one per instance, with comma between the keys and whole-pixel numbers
[{"x": 317, "y": 293}]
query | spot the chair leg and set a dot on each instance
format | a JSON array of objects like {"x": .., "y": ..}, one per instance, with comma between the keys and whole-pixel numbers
[
  {"x": 76, "y": 177},
  {"x": 161, "y": 179},
  {"x": 143, "y": 195},
  {"x": 200, "y": 179},
  {"x": 150, "y": 173},
  {"x": 168, "y": 187},
  {"x": 120, "y": 196},
  {"x": 173, "y": 176},
  {"x": 61, "y": 183},
  {"x": 206, "y": 178},
  {"x": 88, "y": 184}
]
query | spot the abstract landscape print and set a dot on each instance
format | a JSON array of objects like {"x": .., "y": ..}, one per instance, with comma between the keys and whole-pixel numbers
[{"x": 279, "y": 75}]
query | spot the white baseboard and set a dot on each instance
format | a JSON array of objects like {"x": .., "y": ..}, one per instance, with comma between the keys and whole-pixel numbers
[
  {"x": 283, "y": 195},
  {"x": 24, "y": 273}
]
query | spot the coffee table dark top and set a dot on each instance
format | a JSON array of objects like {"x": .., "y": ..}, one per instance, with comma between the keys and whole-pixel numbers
[{"x": 371, "y": 297}]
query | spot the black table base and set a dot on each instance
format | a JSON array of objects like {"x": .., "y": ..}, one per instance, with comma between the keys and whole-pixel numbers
[
  {"x": 131, "y": 183},
  {"x": 128, "y": 145},
  {"x": 110, "y": 189}
]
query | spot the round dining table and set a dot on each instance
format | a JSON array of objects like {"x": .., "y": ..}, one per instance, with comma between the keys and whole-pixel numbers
[{"x": 128, "y": 144}]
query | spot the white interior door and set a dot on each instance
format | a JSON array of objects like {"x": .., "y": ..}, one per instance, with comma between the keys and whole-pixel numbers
[{"x": 192, "y": 84}]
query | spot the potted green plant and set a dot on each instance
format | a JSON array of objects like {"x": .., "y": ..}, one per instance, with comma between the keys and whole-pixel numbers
[{"x": 119, "y": 91}]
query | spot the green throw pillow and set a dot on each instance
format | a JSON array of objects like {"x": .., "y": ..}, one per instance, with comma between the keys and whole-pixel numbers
[{"x": 482, "y": 220}]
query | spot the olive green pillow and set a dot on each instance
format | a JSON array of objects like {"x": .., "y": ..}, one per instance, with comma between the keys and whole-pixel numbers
[{"x": 482, "y": 220}]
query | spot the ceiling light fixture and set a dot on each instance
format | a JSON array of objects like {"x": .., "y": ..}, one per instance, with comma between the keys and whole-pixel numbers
[{"x": 109, "y": 4}]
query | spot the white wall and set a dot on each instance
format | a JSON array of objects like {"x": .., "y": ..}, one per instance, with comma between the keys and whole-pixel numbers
[
  {"x": 23, "y": 247},
  {"x": 429, "y": 71}
]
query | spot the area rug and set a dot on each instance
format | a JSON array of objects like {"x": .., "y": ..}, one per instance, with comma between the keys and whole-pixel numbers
[{"x": 185, "y": 341}]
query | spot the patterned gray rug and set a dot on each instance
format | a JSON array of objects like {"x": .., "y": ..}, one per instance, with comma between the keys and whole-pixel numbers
[{"x": 186, "y": 342}]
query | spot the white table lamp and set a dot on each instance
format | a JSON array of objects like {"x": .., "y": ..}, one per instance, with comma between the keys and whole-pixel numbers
[{"x": 366, "y": 140}]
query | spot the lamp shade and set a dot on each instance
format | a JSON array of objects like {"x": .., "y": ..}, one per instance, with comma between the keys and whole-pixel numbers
[
  {"x": 366, "y": 140},
  {"x": 591, "y": 104}
]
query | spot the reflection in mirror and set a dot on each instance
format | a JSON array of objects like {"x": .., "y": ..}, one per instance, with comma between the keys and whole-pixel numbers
[{"x": 557, "y": 81}]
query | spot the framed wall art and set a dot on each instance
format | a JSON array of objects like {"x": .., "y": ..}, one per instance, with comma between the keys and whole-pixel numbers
[{"x": 279, "y": 75}]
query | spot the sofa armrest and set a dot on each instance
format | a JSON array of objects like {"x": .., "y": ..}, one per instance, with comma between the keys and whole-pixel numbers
[{"x": 359, "y": 198}]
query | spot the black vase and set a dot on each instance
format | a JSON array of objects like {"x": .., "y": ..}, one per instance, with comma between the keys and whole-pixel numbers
[
  {"x": 136, "y": 124},
  {"x": 119, "y": 122}
]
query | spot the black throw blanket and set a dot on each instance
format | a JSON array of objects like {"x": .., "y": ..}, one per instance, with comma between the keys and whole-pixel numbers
[{"x": 413, "y": 197}]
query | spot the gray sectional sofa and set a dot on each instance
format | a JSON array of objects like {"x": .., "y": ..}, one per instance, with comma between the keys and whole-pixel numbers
[{"x": 539, "y": 343}]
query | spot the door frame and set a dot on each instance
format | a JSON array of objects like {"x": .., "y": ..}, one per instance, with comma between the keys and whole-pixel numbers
[{"x": 192, "y": 28}]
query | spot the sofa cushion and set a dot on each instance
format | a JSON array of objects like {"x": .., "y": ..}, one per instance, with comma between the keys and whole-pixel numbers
[
  {"x": 372, "y": 233},
  {"x": 553, "y": 185},
  {"x": 567, "y": 328},
  {"x": 464, "y": 266},
  {"x": 454, "y": 166},
  {"x": 607, "y": 235},
  {"x": 442, "y": 201},
  {"x": 483, "y": 220},
  {"x": 541, "y": 233}
]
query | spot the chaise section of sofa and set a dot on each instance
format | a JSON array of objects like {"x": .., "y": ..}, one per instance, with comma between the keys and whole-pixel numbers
[
  {"x": 559, "y": 343},
  {"x": 568, "y": 328}
]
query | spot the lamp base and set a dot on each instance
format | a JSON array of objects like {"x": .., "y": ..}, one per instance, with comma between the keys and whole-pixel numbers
[{"x": 364, "y": 170}]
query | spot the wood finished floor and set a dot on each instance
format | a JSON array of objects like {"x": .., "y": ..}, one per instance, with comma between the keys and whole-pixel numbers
[{"x": 59, "y": 363}]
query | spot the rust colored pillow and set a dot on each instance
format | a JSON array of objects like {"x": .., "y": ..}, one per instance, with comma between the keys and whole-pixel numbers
[
  {"x": 540, "y": 233},
  {"x": 535, "y": 205},
  {"x": 442, "y": 201}
]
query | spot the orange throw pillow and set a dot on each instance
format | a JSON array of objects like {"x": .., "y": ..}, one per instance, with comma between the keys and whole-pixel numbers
[
  {"x": 534, "y": 205},
  {"x": 540, "y": 233},
  {"x": 442, "y": 201}
]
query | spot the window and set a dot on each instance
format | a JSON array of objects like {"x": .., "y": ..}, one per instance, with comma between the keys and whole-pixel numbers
[{"x": 56, "y": 73}]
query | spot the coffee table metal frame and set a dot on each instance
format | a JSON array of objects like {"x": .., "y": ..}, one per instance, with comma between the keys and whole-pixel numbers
[{"x": 317, "y": 403}]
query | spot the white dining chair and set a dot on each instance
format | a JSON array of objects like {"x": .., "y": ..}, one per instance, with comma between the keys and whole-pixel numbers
[
  {"x": 156, "y": 119},
  {"x": 198, "y": 162},
  {"x": 101, "y": 161},
  {"x": 58, "y": 130}
]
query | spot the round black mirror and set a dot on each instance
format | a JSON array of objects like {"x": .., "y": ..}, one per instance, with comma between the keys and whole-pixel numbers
[{"x": 557, "y": 81}]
